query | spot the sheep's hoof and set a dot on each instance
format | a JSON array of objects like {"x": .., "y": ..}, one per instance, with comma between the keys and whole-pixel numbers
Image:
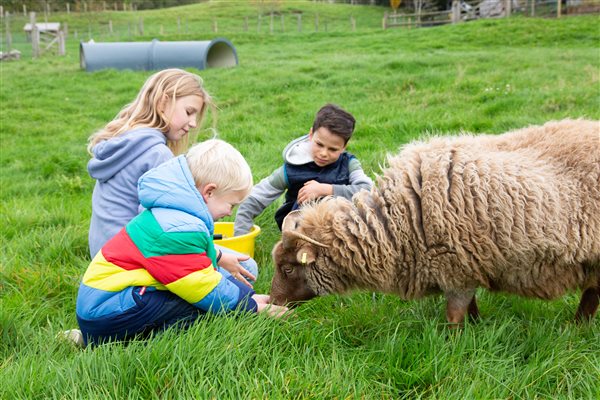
[
  {"x": 473, "y": 310},
  {"x": 455, "y": 326},
  {"x": 460, "y": 305},
  {"x": 588, "y": 304}
]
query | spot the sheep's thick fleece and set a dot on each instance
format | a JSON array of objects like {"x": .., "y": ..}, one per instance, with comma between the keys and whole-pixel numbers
[{"x": 517, "y": 212}]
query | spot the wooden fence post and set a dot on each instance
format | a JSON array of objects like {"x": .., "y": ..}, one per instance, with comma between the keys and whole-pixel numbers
[
  {"x": 110, "y": 28},
  {"x": 455, "y": 11},
  {"x": 508, "y": 7},
  {"x": 8, "y": 34},
  {"x": 61, "y": 43},
  {"x": 68, "y": 8},
  {"x": 353, "y": 23},
  {"x": 215, "y": 26},
  {"x": 533, "y": 8},
  {"x": 558, "y": 8},
  {"x": 282, "y": 23},
  {"x": 24, "y": 10},
  {"x": 35, "y": 36},
  {"x": 384, "y": 20},
  {"x": 259, "y": 23},
  {"x": 141, "y": 26}
]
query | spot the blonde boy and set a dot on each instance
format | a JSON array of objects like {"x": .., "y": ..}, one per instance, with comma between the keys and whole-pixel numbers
[{"x": 161, "y": 269}]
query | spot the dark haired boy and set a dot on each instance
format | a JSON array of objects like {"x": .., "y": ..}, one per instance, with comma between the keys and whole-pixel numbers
[{"x": 315, "y": 165}]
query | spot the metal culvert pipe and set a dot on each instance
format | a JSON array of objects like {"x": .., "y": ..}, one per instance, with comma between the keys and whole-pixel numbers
[{"x": 155, "y": 55}]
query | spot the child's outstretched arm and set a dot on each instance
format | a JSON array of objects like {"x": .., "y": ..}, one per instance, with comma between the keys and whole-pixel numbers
[
  {"x": 263, "y": 302},
  {"x": 263, "y": 194},
  {"x": 358, "y": 181},
  {"x": 313, "y": 190},
  {"x": 231, "y": 262}
]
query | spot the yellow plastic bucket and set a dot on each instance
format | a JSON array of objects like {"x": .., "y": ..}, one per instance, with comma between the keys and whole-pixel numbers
[{"x": 242, "y": 244}]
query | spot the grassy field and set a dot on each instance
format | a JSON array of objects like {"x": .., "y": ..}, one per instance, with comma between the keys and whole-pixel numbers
[{"x": 487, "y": 76}]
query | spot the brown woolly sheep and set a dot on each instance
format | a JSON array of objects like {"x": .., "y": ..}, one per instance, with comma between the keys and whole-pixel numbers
[{"x": 518, "y": 212}]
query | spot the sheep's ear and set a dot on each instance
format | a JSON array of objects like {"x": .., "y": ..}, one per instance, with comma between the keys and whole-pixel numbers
[
  {"x": 290, "y": 222},
  {"x": 306, "y": 255}
]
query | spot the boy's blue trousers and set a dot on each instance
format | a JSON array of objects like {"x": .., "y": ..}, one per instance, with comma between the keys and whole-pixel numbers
[{"x": 155, "y": 310}]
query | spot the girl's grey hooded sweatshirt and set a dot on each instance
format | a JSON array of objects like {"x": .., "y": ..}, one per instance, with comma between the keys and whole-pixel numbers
[{"x": 117, "y": 165}]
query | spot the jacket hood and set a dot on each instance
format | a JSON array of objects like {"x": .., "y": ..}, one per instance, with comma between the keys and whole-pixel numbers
[
  {"x": 171, "y": 185},
  {"x": 111, "y": 156},
  {"x": 297, "y": 152}
]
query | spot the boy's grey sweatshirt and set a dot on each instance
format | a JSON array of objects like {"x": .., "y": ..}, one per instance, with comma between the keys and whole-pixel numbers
[
  {"x": 117, "y": 164},
  {"x": 272, "y": 187}
]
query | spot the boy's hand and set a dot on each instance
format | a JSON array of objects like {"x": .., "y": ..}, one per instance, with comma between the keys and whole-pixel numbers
[
  {"x": 314, "y": 190},
  {"x": 264, "y": 305},
  {"x": 231, "y": 263}
]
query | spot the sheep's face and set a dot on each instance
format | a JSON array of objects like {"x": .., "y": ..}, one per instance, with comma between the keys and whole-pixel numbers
[
  {"x": 290, "y": 284},
  {"x": 295, "y": 260}
]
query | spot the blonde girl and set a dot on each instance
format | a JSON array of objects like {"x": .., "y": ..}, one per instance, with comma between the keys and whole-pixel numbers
[{"x": 160, "y": 123}]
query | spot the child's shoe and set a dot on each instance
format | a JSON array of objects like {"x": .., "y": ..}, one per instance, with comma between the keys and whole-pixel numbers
[{"x": 75, "y": 336}]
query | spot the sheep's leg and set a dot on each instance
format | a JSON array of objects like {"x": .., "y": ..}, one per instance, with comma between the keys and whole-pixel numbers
[
  {"x": 473, "y": 309},
  {"x": 458, "y": 304},
  {"x": 588, "y": 304}
]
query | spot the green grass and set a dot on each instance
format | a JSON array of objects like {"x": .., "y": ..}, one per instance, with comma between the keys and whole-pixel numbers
[{"x": 486, "y": 76}]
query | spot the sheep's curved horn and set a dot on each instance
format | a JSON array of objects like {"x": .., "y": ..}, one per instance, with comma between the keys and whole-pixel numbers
[{"x": 289, "y": 235}]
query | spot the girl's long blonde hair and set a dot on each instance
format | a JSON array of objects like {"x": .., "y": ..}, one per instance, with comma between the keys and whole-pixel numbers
[{"x": 169, "y": 84}]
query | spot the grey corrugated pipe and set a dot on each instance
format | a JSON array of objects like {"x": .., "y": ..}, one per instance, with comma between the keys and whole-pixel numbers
[{"x": 156, "y": 55}]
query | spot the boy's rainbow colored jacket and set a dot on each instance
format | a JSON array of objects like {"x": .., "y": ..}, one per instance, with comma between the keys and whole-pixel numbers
[{"x": 168, "y": 246}]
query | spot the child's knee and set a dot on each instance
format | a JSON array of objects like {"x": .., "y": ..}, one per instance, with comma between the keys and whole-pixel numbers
[{"x": 251, "y": 266}]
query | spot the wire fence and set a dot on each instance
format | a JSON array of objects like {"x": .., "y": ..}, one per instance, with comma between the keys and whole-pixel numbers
[
  {"x": 16, "y": 36},
  {"x": 133, "y": 27},
  {"x": 462, "y": 12}
]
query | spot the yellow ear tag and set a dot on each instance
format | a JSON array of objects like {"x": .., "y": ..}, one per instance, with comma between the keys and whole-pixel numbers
[{"x": 304, "y": 258}]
